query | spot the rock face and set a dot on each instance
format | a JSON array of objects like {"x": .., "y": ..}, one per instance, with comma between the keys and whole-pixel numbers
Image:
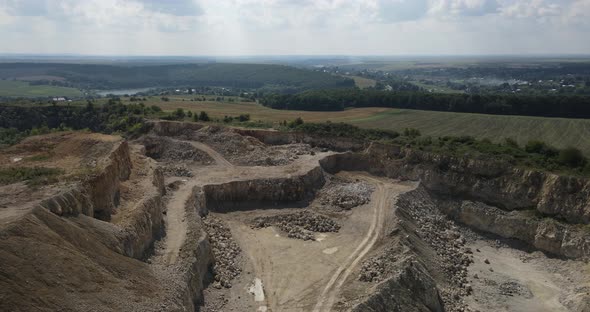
[
  {"x": 338, "y": 144},
  {"x": 104, "y": 187},
  {"x": 563, "y": 200},
  {"x": 493, "y": 182},
  {"x": 546, "y": 234},
  {"x": 98, "y": 195},
  {"x": 411, "y": 289},
  {"x": 241, "y": 194}
]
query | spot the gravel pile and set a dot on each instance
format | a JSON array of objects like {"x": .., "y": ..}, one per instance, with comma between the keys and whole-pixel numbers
[
  {"x": 249, "y": 151},
  {"x": 225, "y": 252},
  {"x": 345, "y": 195},
  {"x": 379, "y": 267},
  {"x": 445, "y": 238},
  {"x": 177, "y": 171},
  {"x": 300, "y": 225}
]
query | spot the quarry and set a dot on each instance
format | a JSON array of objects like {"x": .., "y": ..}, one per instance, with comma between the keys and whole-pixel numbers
[{"x": 196, "y": 217}]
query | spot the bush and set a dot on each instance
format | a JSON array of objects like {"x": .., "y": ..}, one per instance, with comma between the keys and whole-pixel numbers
[
  {"x": 203, "y": 116},
  {"x": 572, "y": 157},
  {"x": 511, "y": 142},
  {"x": 411, "y": 132},
  {"x": 244, "y": 117},
  {"x": 179, "y": 113},
  {"x": 538, "y": 147},
  {"x": 297, "y": 122}
]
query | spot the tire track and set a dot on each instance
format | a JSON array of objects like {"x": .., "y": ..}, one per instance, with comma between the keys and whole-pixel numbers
[{"x": 328, "y": 296}]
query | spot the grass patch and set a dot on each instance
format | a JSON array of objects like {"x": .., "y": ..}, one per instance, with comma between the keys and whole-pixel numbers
[
  {"x": 11, "y": 88},
  {"x": 31, "y": 175},
  {"x": 40, "y": 157}
]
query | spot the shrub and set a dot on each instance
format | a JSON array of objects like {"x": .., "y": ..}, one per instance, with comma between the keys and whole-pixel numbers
[
  {"x": 538, "y": 147},
  {"x": 411, "y": 132},
  {"x": 510, "y": 142},
  {"x": 572, "y": 157},
  {"x": 203, "y": 116}
]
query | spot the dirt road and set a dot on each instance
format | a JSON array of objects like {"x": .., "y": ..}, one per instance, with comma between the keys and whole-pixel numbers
[
  {"x": 219, "y": 159},
  {"x": 332, "y": 289},
  {"x": 176, "y": 226},
  {"x": 303, "y": 276}
]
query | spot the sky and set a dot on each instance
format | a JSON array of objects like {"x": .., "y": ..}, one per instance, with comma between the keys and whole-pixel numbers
[{"x": 295, "y": 27}]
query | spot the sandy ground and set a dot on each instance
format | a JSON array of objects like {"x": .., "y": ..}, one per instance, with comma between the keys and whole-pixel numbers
[
  {"x": 301, "y": 275},
  {"x": 519, "y": 281}
]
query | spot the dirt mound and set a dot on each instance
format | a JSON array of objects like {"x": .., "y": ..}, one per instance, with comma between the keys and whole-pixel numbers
[{"x": 300, "y": 225}]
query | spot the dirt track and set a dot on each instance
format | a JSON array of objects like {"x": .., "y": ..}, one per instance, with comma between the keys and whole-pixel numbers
[
  {"x": 305, "y": 275},
  {"x": 332, "y": 289}
]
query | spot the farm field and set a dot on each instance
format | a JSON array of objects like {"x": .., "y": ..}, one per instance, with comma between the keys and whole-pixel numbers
[
  {"x": 559, "y": 132},
  {"x": 258, "y": 112},
  {"x": 363, "y": 82},
  {"x": 10, "y": 88}
]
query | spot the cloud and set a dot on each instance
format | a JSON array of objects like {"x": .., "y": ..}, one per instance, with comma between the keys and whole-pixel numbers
[
  {"x": 532, "y": 9},
  {"x": 393, "y": 11},
  {"x": 174, "y": 7},
  {"x": 295, "y": 26},
  {"x": 464, "y": 7}
]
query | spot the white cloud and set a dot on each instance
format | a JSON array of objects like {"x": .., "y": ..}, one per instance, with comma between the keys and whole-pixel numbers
[{"x": 191, "y": 27}]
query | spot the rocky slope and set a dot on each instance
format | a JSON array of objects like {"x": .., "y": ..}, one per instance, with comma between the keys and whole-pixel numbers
[{"x": 563, "y": 200}]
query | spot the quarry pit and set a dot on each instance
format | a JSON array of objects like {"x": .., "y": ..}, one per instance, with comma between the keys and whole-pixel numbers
[{"x": 206, "y": 218}]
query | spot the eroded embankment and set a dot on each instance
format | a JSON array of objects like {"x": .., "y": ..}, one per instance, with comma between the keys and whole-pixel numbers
[
  {"x": 555, "y": 203},
  {"x": 59, "y": 256}
]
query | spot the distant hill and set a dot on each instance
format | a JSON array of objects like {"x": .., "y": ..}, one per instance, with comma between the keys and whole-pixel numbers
[{"x": 105, "y": 77}]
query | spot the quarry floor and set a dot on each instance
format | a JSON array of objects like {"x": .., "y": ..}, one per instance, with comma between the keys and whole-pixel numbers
[
  {"x": 285, "y": 274},
  {"x": 279, "y": 273},
  {"x": 299, "y": 275}
]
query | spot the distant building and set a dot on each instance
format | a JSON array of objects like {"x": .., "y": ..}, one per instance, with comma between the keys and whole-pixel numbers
[{"x": 59, "y": 99}]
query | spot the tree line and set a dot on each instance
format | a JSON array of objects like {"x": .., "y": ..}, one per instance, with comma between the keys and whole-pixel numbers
[{"x": 574, "y": 106}]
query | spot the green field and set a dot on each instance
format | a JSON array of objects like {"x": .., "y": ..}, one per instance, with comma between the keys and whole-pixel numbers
[
  {"x": 559, "y": 132},
  {"x": 11, "y": 88},
  {"x": 363, "y": 82}
]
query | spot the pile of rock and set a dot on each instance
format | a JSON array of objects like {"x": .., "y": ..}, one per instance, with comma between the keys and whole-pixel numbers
[
  {"x": 166, "y": 149},
  {"x": 300, "y": 225},
  {"x": 249, "y": 151},
  {"x": 446, "y": 239},
  {"x": 177, "y": 171},
  {"x": 225, "y": 251},
  {"x": 345, "y": 195},
  {"x": 378, "y": 268}
]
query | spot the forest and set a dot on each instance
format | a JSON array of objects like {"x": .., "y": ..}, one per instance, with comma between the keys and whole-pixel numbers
[
  {"x": 572, "y": 106},
  {"x": 105, "y": 77}
]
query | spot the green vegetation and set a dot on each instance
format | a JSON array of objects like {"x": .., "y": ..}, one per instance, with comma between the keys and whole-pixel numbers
[
  {"x": 535, "y": 154},
  {"x": 339, "y": 99},
  {"x": 17, "y": 122},
  {"x": 32, "y": 175},
  {"x": 362, "y": 82},
  {"x": 12, "y": 88},
  {"x": 558, "y": 132},
  {"x": 340, "y": 130},
  {"x": 105, "y": 77}
]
